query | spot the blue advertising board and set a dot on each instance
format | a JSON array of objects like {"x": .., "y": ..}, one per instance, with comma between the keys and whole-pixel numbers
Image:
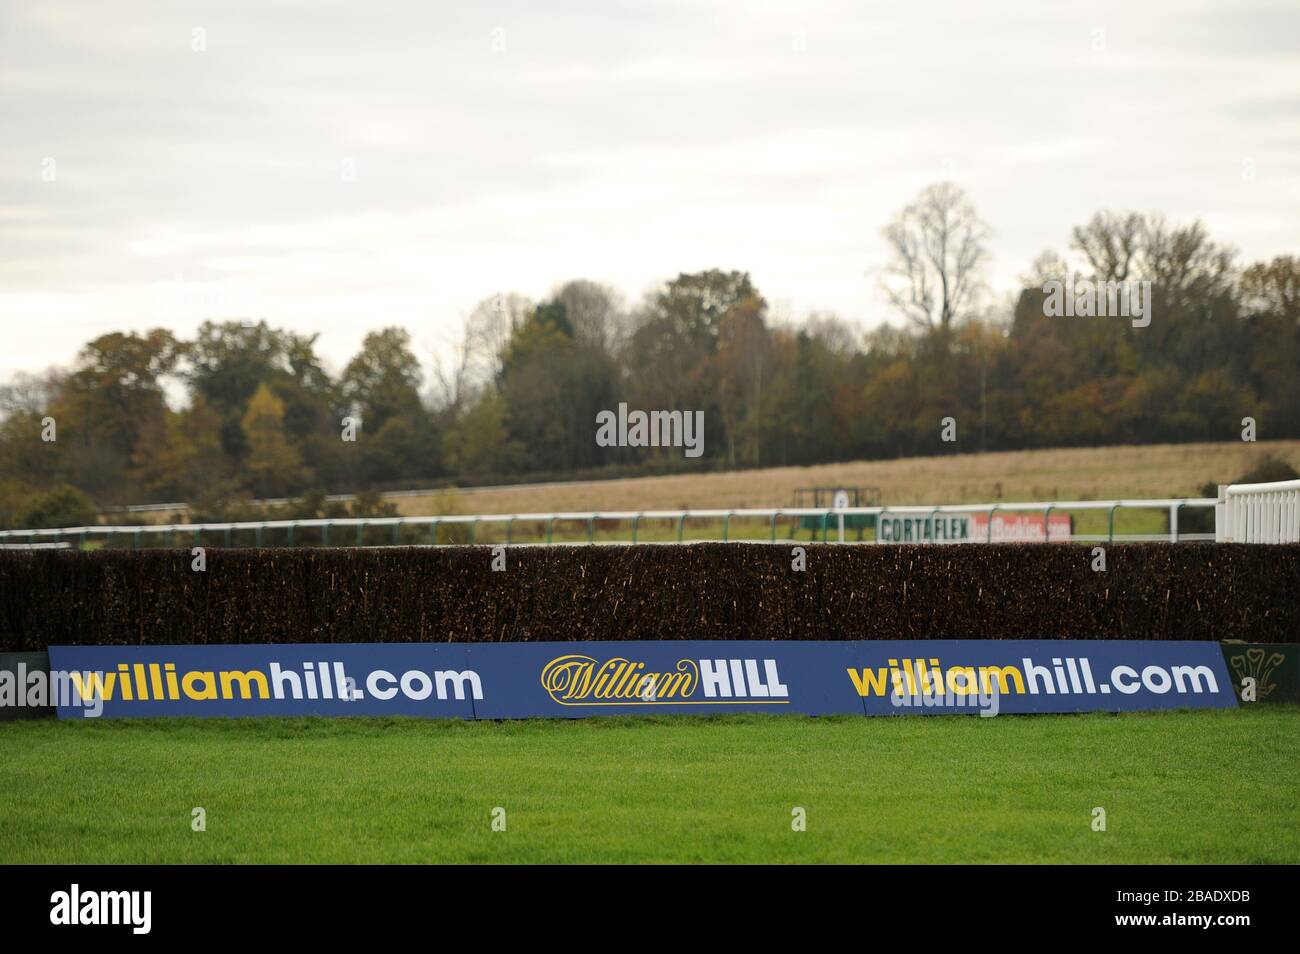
[
  {"x": 415, "y": 679},
  {"x": 576, "y": 679},
  {"x": 1028, "y": 675},
  {"x": 664, "y": 676}
]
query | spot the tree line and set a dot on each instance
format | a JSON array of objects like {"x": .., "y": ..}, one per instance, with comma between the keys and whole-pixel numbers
[{"x": 247, "y": 410}]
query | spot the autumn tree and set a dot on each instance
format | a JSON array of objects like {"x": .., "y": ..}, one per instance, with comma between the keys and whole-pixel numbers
[
  {"x": 273, "y": 465},
  {"x": 113, "y": 395},
  {"x": 669, "y": 352},
  {"x": 478, "y": 441},
  {"x": 1271, "y": 300},
  {"x": 179, "y": 457},
  {"x": 738, "y": 367},
  {"x": 553, "y": 385},
  {"x": 383, "y": 380}
]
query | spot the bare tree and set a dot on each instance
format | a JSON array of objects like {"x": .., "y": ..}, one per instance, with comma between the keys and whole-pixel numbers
[
  {"x": 1184, "y": 262},
  {"x": 1274, "y": 287},
  {"x": 1048, "y": 266},
  {"x": 938, "y": 252},
  {"x": 31, "y": 393},
  {"x": 1180, "y": 259},
  {"x": 474, "y": 363},
  {"x": 595, "y": 312},
  {"x": 453, "y": 379},
  {"x": 836, "y": 335},
  {"x": 1110, "y": 243}
]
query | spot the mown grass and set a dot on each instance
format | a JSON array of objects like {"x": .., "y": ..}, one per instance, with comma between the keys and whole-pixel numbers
[{"x": 1209, "y": 786}]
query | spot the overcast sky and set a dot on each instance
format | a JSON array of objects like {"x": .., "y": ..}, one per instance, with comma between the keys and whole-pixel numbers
[{"x": 337, "y": 167}]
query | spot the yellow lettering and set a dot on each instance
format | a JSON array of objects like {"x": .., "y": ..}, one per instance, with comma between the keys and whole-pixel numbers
[
  {"x": 209, "y": 681},
  {"x": 1001, "y": 675},
  {"x": 96, "y": 685},
  {"x": 245, "y": 680},
  {"x": 969, "y": 682},
  {"x": 873, "y": 679}
]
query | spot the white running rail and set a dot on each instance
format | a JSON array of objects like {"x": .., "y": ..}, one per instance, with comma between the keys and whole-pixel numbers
[
  {"x": 1258, "y": 513},
  {"x": 284, "y": 530}
]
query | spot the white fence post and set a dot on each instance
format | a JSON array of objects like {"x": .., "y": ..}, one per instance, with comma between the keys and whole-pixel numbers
[{"x": 1258, "y": 513}]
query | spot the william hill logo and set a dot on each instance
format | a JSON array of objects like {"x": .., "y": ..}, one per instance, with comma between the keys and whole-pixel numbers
[{"x": 577, "y": 680}]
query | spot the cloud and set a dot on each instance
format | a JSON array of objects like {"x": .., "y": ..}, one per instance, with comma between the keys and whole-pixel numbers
[{"x": 340, "y": 167}]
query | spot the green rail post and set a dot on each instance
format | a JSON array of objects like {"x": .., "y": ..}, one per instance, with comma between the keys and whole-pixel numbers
[
  {"x": 361, "y": 529},
  {"x": 291, "y": 526},
  {"x": 933, "y": 513},
  {"x": 726, "y": 525},
  {"x": 636, "y": 518},
  {"x": 681, "y": 523},
  {"x": 473, "y": 530},
  {"x": 510, "y": 531},
  {"x": 988, "y": 535},
  {"x": 591, "y": 529},
  {"x": 1047, "y": 523},
  {"x": 550, "y": 528},
  {"x": 259, "y": 533},
  {"x": 1174, "y": 529},
  {"x": 325, "y": 534},
  {"x": 1110, "y": 522},
  {"x": 775, "y": 514},
  {"x": 433, "y": 532}
]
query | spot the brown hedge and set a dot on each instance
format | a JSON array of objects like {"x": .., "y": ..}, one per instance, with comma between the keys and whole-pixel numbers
[{"x": 704, "y": 591}]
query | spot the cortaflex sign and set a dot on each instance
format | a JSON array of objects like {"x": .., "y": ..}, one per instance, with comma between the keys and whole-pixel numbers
[
  {"x": 965, "y": 527},
  {"x": 575, "y": 679},
  {"x": 937, "y": 528}
]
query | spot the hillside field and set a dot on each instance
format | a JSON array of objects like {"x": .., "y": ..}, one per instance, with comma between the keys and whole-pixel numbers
[
  {"x": 1162, "y": 470},
  {"x": 1142, "y": 471}
]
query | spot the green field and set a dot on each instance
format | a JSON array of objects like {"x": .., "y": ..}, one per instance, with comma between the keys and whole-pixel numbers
[{"x": 1206, "y": 786}]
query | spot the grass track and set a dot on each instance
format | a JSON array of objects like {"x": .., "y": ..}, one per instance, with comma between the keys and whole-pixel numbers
[{"x": 1207, "y": 786}]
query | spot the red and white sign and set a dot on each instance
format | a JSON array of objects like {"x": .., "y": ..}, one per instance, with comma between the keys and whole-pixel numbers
[{"x": 1020, "y": 527}]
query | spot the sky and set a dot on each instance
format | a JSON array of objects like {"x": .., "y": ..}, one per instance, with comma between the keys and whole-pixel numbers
[{"x": 341, "y": 167}]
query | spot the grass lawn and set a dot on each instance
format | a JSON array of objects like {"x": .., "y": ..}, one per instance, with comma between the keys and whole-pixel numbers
[{"x": 1207, "y": 786}]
